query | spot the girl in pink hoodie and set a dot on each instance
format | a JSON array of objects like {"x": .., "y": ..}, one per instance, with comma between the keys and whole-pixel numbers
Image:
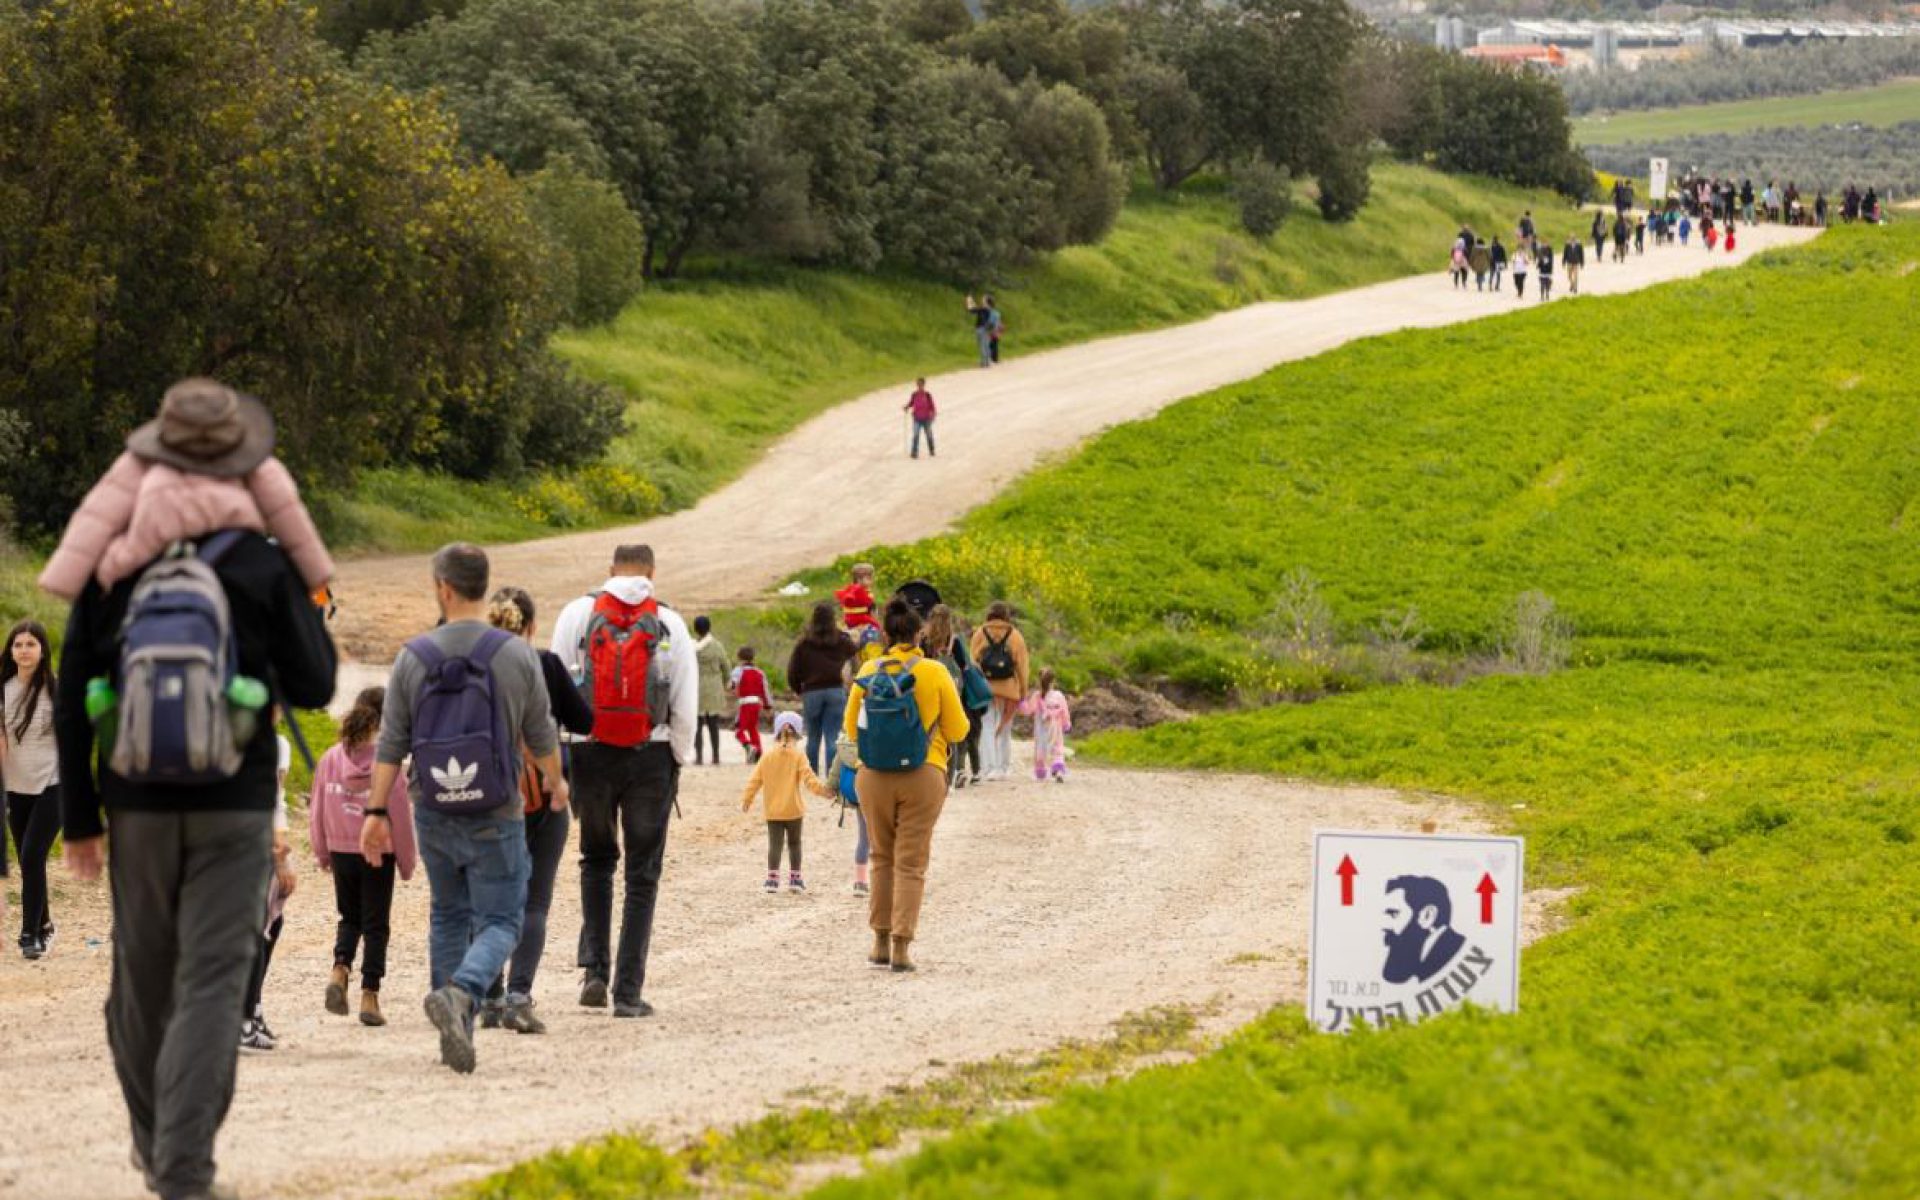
[{"x": 341, "y": 782}]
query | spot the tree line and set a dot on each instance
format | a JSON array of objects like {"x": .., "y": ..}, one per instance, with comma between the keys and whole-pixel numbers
[
  {"x": 377, "y": 212},
  {"x": 1886, "y": 158},
  {"x": 1731, "y": 74}
]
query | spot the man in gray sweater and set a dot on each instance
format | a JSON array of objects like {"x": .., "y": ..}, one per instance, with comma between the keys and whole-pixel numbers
[{"x": 477, "y": 862}]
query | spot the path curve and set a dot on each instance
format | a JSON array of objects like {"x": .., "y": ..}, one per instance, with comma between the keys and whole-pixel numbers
[{"x": 842, "y": 481}]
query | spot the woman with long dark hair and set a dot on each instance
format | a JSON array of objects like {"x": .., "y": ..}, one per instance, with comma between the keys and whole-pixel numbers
[
  {"x": 31, "y": 767},
  {"x": 817, "y": 673}
]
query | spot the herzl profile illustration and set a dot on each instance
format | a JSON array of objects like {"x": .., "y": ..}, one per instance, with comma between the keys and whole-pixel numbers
[{"x": 1420, "y": 937}]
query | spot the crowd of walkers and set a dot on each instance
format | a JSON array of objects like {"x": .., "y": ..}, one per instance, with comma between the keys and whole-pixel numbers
[
  {"x": 1535, "y": 255},
  {"x": 199, "y": 588},
  {"x": 1722, "y": 201}
]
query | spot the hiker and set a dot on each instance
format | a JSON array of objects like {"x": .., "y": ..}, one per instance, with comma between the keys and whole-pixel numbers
[
  {"x": 817, "y": 673},
  {"x": 842, "y": 776},
  {"x": 255, "y": 1033},
  {"x": 782, "y": 774},
  {"x": 191, "y": 816},
  {"x": 1457, "y": 266},
  {"x": 1820, "y": 209},
  {"x": 1729, "y": 238},
  {"x": 1543, "y": 268},
  {"x": 1522, "y": 262},
  {"x": 1497, "y": 255},
  {"x": 904, "y": 713},
  {"x": 1599, "y": 237},
  {"x": 996, "y": 326},
  {"x": 176, "y": 480},
  {"x": 1525, "y": 241},
  {"x": 1573, "y": 258},
  {"x": 467, "y": 704},
  {"x": 856, "y": 611},
  {"x": 1686, "y": 228},
  {"x": 509, "y": 1002},
  {"x": 983, "y": 317},
  {"x": 921, "y": 405},
  {"x": 362, "y": 893},
  {"x": 751, "y": 698},
  {"x": 710, "y": 655},
  {"x": 1001, "y": 653},
  {"x": 976, "y": 697},
  {"x": 1620, "y": 239},
  {"x": 940, "y": 640},
  {"x": 1639, "y": 235},
  {"x": 623, "y": 637},
  {"x": 1052, "y": 718},
  {"x": 1481, "y": 260},
  {"x": 30, "y": 765}
]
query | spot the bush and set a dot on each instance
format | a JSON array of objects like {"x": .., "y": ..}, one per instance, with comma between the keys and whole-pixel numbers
[
  {"x": 599, "y": 240},
  {"x": 1345, "y": 182},
  {"x": 1264, "y": 194},
  {"x": 1063, "y": 140}
]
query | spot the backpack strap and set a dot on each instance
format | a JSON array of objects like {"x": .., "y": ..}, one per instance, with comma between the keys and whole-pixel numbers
[
  {"x": 430, "y": 655},
  {"x": 211, "y": 550},
  {"x": 491, "y": 643}
]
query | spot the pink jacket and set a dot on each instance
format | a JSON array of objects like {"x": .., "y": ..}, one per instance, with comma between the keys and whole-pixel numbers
[
  {"x": 139, "y": 507},
  {"x": 341, "y": 781}
]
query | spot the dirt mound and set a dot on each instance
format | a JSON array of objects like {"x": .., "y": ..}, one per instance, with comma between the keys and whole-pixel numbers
[{"x": 1122, "y": 705}]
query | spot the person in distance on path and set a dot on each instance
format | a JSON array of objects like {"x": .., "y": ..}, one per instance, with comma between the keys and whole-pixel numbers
[
  {"x": 1543, "y": 265},
  {"x": 921, "y": 405},
  {"x": 1573, "y": 258}
]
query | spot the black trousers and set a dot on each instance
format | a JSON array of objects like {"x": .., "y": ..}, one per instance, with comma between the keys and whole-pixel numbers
[
  {"x": 34, "y": 821},
  {"x": 189, "y": 889},
  {"x": 364, "y": 896},
  {"x": 708, "y": 728},
  {"x": 622, "y": 799},
  {"x": 787, "y": 834}
]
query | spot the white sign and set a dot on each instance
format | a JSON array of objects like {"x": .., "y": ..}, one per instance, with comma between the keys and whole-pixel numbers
[
  {"x": 1656, "y": 180},
  {"x": 1409, "y": 925}
]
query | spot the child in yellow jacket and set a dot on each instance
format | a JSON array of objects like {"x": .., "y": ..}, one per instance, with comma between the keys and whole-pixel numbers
[{"x": 783, "y": 772}]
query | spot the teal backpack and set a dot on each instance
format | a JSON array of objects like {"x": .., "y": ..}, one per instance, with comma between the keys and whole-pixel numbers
[{"x": 891, "y": 735}]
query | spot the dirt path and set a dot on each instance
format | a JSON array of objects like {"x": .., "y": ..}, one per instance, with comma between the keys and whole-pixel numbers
[
  {"x": 839, "y": 482},
  {"x": 1052, "y": 911}
]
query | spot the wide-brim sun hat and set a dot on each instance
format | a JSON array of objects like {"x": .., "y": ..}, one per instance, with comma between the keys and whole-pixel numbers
[
  {"x": 788, "y": 722},
  {"x": 207, "y": 428}
]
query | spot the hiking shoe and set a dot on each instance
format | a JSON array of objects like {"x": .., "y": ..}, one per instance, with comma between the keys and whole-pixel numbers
[
  {"x": 254, "y": 1036},
  {"x": 451, "y": 1011},
  {"x": 337, "y": 990},
  {"x": 593, "y": 993},
  {"x": 492, "y": 1013},
  {"x": 900, "y": 959},
  {"x": 370, "y": 1013},
  {"x": 882, "y": 953},
  {"x": 519, "y": 1016},
  {"x": 638, "y": 1008}
]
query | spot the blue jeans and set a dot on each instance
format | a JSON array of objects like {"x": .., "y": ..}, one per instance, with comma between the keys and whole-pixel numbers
[
  {"x": 823, "y": 709},
  {"x": 477, "y": 869},
  {"x": 920, "y": 427}
]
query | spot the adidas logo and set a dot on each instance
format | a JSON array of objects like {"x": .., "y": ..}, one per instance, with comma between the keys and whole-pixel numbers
[{"x": 456, "y": 781}]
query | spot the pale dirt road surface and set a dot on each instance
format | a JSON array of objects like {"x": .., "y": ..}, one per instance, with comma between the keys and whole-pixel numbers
[
  {"x": 1052, "y": 910},
  {"x": 843, "y": 481}
]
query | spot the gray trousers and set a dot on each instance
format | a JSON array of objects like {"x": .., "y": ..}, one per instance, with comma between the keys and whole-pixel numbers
[{"x": 189, "y": 898}]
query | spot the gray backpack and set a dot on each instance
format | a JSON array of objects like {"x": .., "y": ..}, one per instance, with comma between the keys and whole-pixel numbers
[{"x": 177, "y": 659}]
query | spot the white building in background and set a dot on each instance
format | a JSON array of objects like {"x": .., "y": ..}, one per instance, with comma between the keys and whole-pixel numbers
[{"x": 1605, "y": 44}]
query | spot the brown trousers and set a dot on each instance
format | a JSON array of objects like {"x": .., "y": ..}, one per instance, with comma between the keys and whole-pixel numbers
[{"x": 901, "y": 809}]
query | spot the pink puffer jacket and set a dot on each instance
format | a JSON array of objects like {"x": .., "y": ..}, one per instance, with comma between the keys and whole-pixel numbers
[{"x": 139, "y": 507}]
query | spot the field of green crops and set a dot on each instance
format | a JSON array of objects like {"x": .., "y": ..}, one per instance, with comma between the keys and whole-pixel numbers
[{"x": 1886, "y": 104}]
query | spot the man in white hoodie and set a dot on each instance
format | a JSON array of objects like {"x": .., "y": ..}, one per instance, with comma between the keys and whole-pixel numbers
[{"x": 626, "y": 775}]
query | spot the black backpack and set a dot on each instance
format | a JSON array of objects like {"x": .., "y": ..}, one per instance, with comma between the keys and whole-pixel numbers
[{"x": 996, "y": 661}]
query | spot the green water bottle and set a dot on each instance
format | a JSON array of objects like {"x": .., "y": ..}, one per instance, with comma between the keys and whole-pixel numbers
[
  {"x": 103, "y": 709},
  {"x": 246, "y": 696}
]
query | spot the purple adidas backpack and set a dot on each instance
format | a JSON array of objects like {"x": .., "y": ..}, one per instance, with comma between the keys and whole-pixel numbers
[{"x": 462, "y": 754}]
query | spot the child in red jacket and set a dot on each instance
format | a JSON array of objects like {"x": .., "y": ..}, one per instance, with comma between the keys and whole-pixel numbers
[
  {"x": 856, "y": 611},
  {"x": 749, "y": 687}
]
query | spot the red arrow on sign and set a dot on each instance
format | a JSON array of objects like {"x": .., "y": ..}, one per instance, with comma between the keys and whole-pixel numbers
[
  {"x": 1346, "y": 871},
  {"x": 1486, "y": 890}
]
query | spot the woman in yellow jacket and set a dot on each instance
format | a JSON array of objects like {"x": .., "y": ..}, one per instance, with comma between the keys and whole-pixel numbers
[{"x": 902, "y": 806}]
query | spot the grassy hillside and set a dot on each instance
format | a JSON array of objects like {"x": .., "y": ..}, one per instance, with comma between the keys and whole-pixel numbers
[
  {"x": 722, "y": 363},
  {"x": 1725, "y": 506},
  {"x": 1887, "y": 104}
]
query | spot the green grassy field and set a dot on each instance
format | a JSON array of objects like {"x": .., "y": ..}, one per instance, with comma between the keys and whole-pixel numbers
[
  {"x": 1886, "y": 104},
  {"x": 722, "y": 363},
  {"x": 1717, "y": 482}
]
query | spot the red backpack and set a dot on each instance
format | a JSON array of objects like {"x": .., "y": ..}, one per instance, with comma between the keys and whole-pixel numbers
[{"x": 626, "y": 650}]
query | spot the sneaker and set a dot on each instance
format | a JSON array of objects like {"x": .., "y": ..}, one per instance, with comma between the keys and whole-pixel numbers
[
  {"x": 773, "y": 884},
  {"x": 959, "y": 780},
  {"x": 451, "y": 1011},
  {"x": 260, "y": 1019},
  {"x": 593, "y": 993},
  {"x": 519, "y": 1016},
  {"x": 795, "y": 883},
  {"x": 46, "y": 937},
  {"x": 860, "y": 888},
  {"x": 254, "y": 1036},
  {"x": 30, "y": 948},
  {"x": 638, "y": 1008}
]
